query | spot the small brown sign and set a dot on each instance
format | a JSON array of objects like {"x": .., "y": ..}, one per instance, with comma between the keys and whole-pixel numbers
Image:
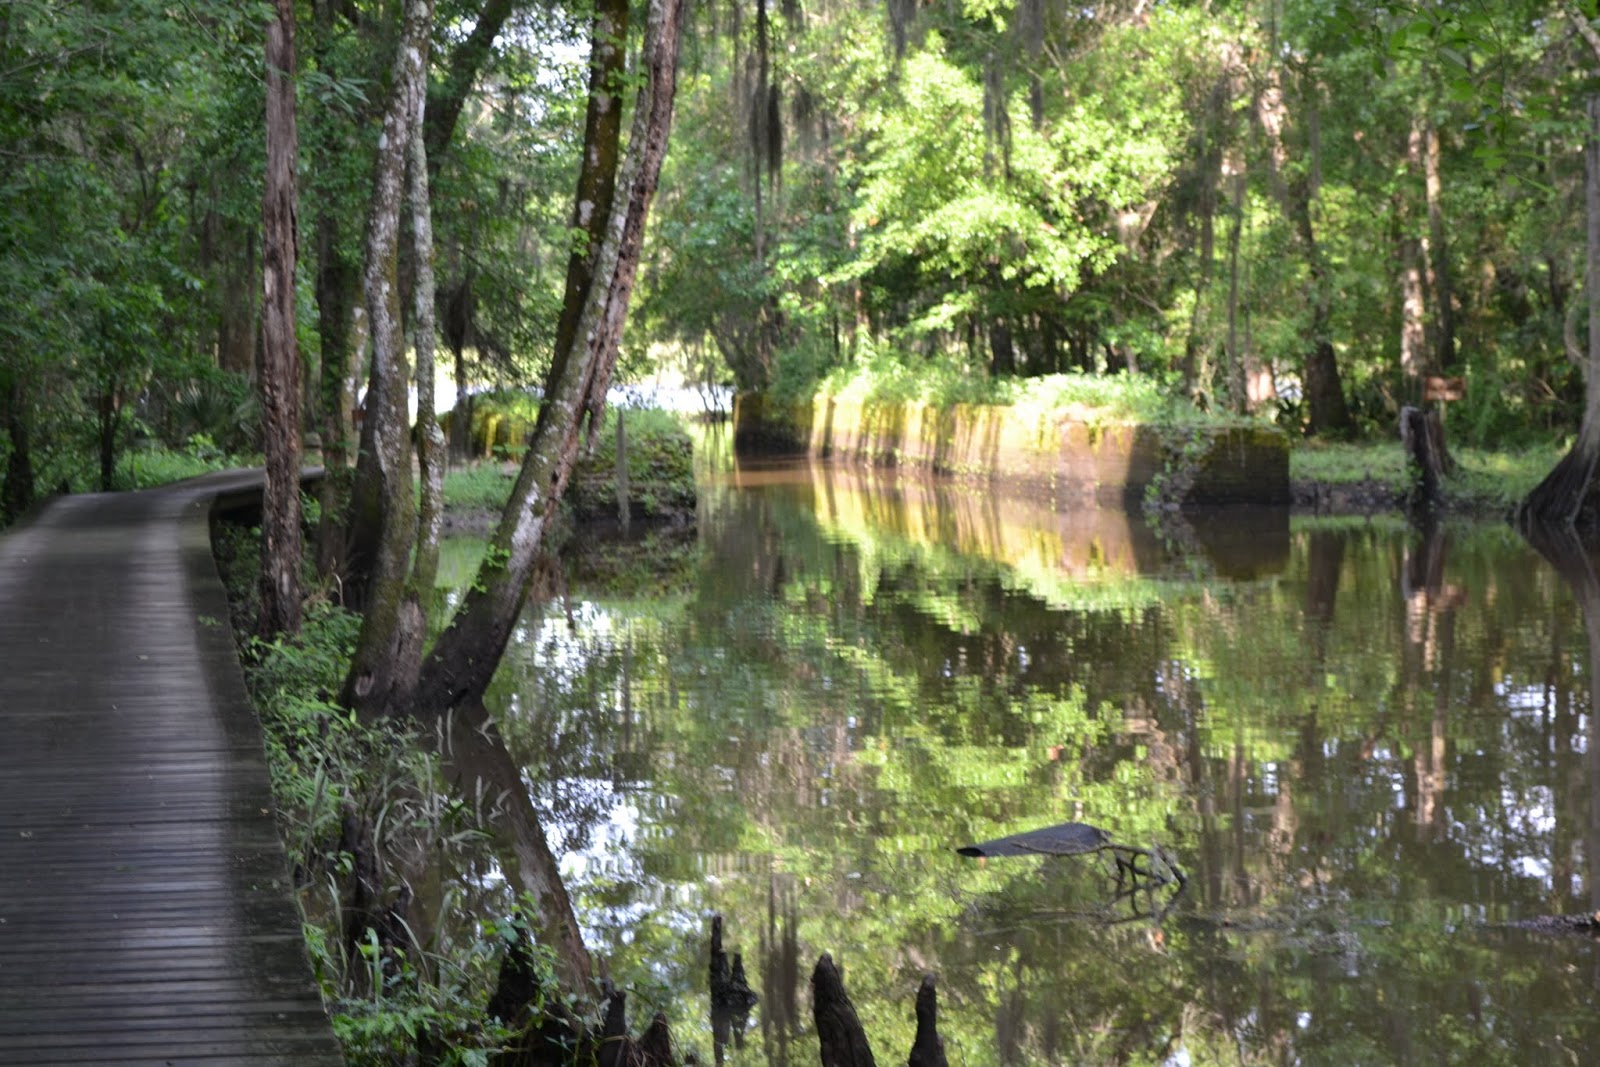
[{"x": 1445, "y": 389}]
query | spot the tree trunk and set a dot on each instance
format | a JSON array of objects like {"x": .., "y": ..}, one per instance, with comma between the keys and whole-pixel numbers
[
  {"x": 430, "y": 440},
  {"x": 1327, "y": 411},
  {"x": 597, "y": 176},
  {"x": 237, "y": 317},
  {"x": 17, "y": 495},
  {"x": 1413, "y": 321},
  {"x": 1567, "y": 495},
  {"x": 108, "y": 422},
  {"x": 1210, "y": 175},
  {"x": 279, "y": 380},
  {"x": 444, "y": 108},
  {"x": 1238, "y": 360},
  {"x": 337, "y": 281},
  {"x": 1002, "y": 353},
  {"x": 1438, "y": 253},
  {"x": 464, "y": 659},
  {"x": 383, "y": 668},
  {"x": 335, "y": 287}
]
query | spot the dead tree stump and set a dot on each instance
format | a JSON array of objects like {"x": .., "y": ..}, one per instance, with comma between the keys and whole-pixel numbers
[
  {"x": 927, "y": 1050},
  {"x": 844, "y": 1043},
  {"x": 732, "y": 999},
  {"x": 1427, "y": 458}
]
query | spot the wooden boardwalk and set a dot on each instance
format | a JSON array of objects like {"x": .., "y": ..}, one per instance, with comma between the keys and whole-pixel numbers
[{"x": 145, "y": 908}]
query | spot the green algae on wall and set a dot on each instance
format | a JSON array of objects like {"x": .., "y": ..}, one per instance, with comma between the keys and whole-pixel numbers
[{"x": 1071, "y": 457}]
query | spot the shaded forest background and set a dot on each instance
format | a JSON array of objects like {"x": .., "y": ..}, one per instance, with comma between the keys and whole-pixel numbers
[{"x": 1299, "y": 209}]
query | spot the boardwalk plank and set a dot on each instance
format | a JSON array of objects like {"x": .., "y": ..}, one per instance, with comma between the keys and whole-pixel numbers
[{"x": 145, "y": 907}]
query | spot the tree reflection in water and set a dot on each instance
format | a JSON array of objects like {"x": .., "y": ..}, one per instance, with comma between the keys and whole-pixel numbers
[{"x": 1370, "y": 751}]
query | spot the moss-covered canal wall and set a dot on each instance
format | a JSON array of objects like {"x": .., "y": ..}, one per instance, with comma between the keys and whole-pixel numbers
[{"x": 1049, "y": 454}]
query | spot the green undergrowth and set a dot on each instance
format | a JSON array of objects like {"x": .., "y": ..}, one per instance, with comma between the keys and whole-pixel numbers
[
  {"x": 660, "y": 471},
  {"x": 942, "y": 383},
  {"x": 333, "y": 774},
  {"x": 146, "y": 468},
  {"x": 1484, "y": 480},
  {"x": 479, "y": 486}
]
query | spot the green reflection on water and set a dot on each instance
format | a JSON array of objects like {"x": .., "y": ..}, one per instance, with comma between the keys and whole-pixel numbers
[{"x": 1368, "y": 749}]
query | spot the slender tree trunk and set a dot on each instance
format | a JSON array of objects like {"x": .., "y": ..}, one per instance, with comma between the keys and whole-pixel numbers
[
  {"x": 237, "y": 317},
  {"x": 1327, "y": 410},
  {"x": 1413, "y": 314},
  {"x": 1438, "y": 253},
  {"x": 1210, "y": 175},
  {"x": 382, "y": 671},
  {"x": 337, "y": 282},
  {"x": 335, "y": 287},
  {"x": 1236, "y": 358},
  {"x": 465, "y": 657},
  {"x": 108, "y": 411},
  {"x": 17, "y": 495},
  {"x": 430, "y": 439},
  {"x": 461, "y": 74},
  {"x": 279, "y": 379}
]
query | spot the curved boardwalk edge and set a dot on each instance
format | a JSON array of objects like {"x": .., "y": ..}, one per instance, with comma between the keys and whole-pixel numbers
[{"x": 145, "y": 900}]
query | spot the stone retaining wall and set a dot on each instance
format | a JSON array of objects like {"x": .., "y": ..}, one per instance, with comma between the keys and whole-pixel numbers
[{"x": 1053, "y": 456}]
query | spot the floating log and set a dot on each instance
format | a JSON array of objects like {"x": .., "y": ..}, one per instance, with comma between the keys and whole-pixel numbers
[{"x": 844, "y": 1043}]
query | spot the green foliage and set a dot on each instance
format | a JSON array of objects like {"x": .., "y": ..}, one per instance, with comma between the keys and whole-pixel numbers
[
  {"x": 146, "y": 468},
  {"x": 1087, "y": 397},
  {"x": 660, "y": 466},
  {"x": 328, "y": 767}
]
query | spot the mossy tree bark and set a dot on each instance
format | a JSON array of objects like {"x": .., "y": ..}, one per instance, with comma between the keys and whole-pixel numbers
[
  {"x": 459, "y": 666},
  {"x": 597, "y": 175},
  {"x": 383, "y": 508},
  {"x": 430, "y": 439},
  {"x": 280, "y": 354}
]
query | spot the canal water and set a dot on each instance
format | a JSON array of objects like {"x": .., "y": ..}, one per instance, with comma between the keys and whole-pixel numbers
[{"x": 1368, "y": 750}]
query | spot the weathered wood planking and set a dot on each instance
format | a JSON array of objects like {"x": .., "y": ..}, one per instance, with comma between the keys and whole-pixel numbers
[{"x": 145, "y": 909}]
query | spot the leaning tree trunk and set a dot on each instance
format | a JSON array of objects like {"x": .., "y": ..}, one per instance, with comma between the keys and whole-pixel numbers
[
  {"x": 382, "y": 503},
  {"x": 464, "y": 658},
  {"x": 597, "y": 176},
  {"x": 280, "y": 354},
  {"x": 1568, "y": 496}
]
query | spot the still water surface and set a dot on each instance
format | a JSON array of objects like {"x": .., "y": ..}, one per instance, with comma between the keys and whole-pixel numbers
[{"x": 1369, "y": 750}]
